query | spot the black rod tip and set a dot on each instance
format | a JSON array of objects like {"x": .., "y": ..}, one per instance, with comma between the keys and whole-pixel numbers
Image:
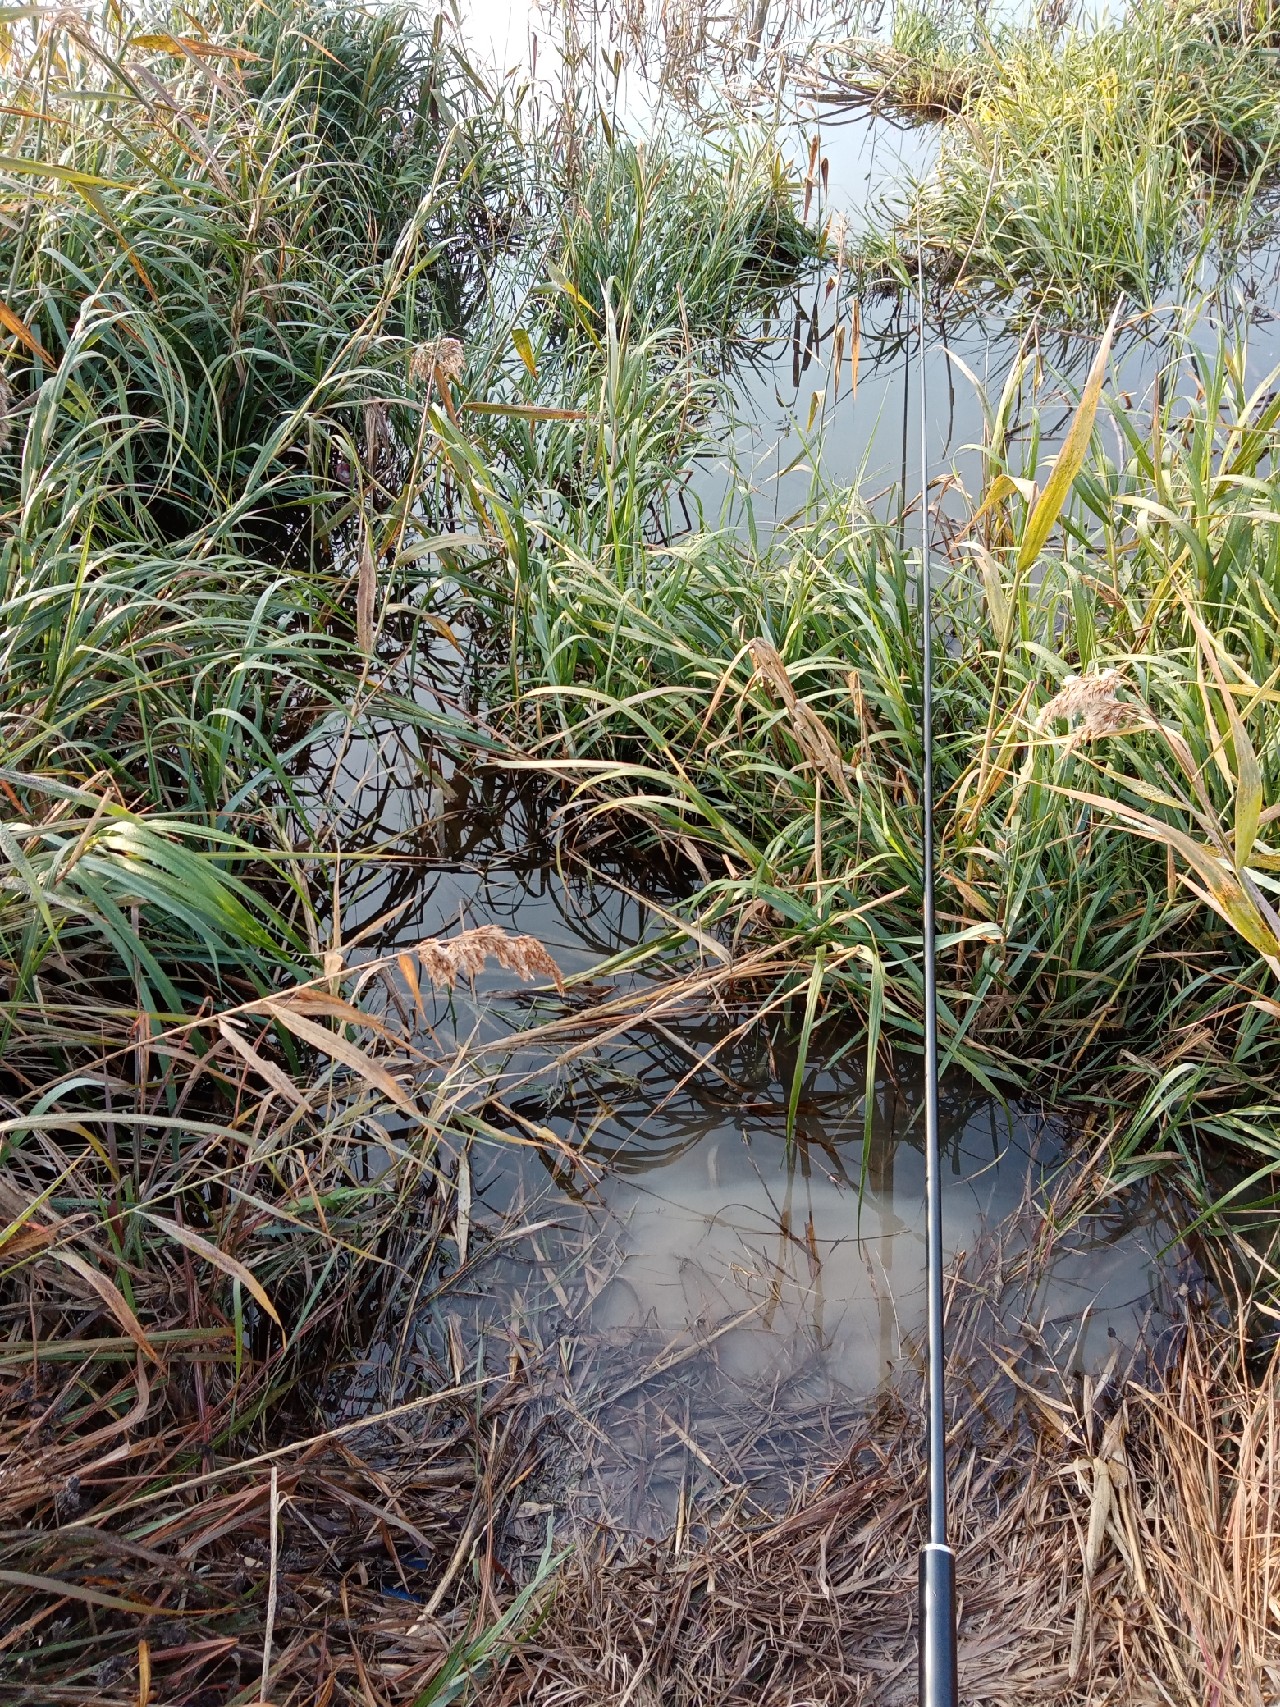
[{"x": 939, "y": 1679}]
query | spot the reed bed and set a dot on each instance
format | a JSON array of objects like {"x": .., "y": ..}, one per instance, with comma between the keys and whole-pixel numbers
[
  {"x": 240, "y": 247},
  {"x": 1105, "y": 874},
  {"x": 1075, "y": 163},
  {"x": 343, "y": 415}
]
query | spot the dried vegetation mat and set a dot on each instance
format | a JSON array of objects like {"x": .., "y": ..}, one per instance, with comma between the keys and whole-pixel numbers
[
  {"x": 1115, "y": 1545},
  {"x": 200, "y": 1235},
  {"x": 209, "y": 1497}
]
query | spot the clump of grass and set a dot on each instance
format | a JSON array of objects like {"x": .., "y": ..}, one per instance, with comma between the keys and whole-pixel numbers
[
  {"x": 226, "y": 237},
  {"x": 180, "y": 306},
  {"x": 682, "y": 237},
  {"x": 756, "y": 712},
  {"x": 1075, "y": 165},
  {"x": 228, "y": 242}
]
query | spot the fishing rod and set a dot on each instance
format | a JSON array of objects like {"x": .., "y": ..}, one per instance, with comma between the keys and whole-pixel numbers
[{"x": 939, "y": 1683}]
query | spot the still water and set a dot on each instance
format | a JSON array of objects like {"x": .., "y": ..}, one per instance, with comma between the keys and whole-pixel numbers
[
  {"x": 696, "y": 1295},
  {"x": 697, "y": 1288},
  {"x": 826, "y": 390}
]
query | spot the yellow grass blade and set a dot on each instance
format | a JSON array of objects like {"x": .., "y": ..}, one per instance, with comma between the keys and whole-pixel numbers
[
  {"x": 111, "y": 1296},
  {"x": 340, "y": 1048},
  {"x": 20, "y": 330},
  {"x": 203, "y": 1248},
  {"x": 1075, "y": 448},
  {"x": 524, "y": 349}
]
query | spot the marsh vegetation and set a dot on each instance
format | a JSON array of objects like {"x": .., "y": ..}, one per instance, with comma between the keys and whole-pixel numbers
[
  {"x": 355, "y": 528},
  {"x": 1080, "y": 160}
]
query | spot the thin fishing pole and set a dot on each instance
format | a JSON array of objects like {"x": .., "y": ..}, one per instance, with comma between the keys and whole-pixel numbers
[{"x": 938, "y": 1679}]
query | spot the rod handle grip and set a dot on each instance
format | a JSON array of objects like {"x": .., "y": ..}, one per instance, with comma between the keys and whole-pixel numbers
[{"x": 939, "y": 1678}]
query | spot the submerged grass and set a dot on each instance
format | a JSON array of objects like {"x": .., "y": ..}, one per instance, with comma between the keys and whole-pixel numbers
[{"x": 1128, "y": 156}]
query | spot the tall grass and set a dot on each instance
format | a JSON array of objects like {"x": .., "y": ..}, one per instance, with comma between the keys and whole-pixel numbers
[
  {"x": 755, "y": 712},
  {"x": 1123, "y": 156},
  {"x": 226, "y": 243},
  {"x": 244, "y": 478}
]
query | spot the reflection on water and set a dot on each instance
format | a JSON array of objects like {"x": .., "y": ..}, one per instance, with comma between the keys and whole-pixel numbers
[
  {"x": 698, "y": 1293},
  {"x": 701, "y": 1306},
  {"x": 688, "y": 1288},
  {"x": 831, "y": 1261},
  {"x": 826, "y": 393},
  {"x": 734, "y": 1294}
]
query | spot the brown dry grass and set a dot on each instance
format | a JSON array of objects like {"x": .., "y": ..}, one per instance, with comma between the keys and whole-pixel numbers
[
  {"x": 112, "y": 1566},
  {"x": 1115, "y": 1545},
  {"x": 1129, "y": 1559},
  {"x": 188, "y": 1502},
  {"x": 200, "y": 1235}
]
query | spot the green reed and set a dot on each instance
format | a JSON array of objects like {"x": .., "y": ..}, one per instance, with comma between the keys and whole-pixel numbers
[
  {"x": 1126, "y": 155},
  {"x": 1104, "y": 875},
  {"x": 298, "y": 320}
]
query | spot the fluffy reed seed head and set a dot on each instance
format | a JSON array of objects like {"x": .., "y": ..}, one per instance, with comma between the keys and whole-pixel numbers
[
  {"x": 464, "y": 955},
  {"x": 437, "y": 361},
  {"x": 1092, "y": 704}
]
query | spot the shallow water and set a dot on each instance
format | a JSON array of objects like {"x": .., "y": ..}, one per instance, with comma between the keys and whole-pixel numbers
[
  {"x": 699, "y": 1289},
  {"x": 699, "y": 1294},
  {"x": 797, "y": 414}
]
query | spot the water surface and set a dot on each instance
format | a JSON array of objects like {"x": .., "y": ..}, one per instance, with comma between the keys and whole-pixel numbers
[
  {"x": 699, "y": 1291},
  {"x": 697, "y": 1296}
]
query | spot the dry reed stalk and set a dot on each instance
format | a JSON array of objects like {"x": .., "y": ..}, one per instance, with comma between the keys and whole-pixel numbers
[
  {"x": 1110, "y": 1552},
  {"x": 95, "y": 1519},
  {"x": 140, "y": 1543},
  {"x": 811, "y": 734}
]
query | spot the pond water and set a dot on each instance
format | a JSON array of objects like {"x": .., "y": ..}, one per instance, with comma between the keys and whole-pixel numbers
[
  {"x": 797, "y": 413},
  {"x": 697, "y": 1290},
  {"x": 697, "y": 1297}
]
